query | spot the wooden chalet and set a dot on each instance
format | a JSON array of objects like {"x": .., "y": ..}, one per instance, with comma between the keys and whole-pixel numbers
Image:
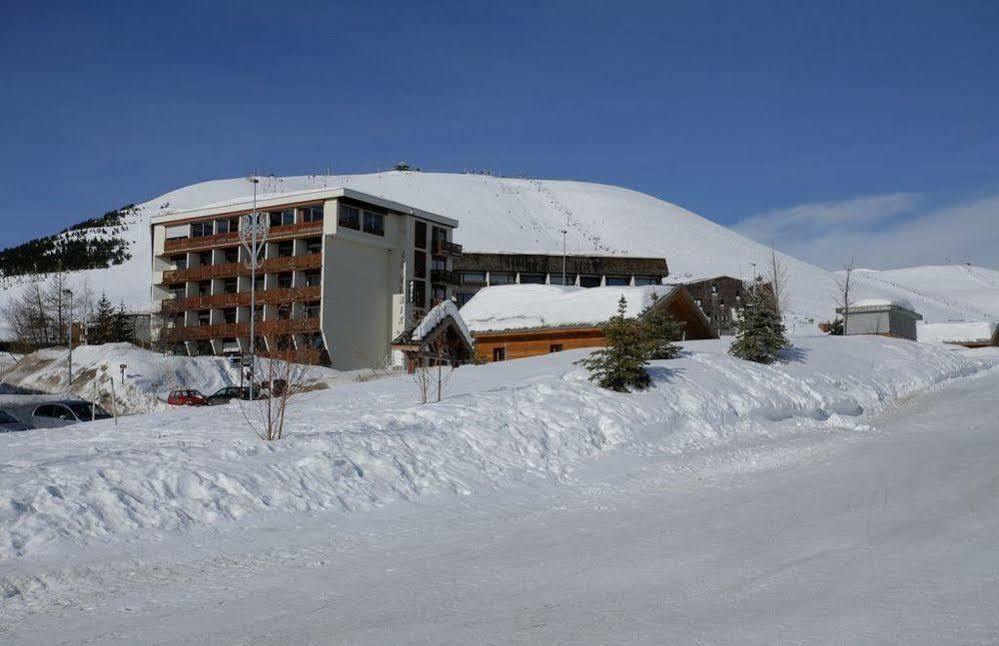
[{"x": 439, "y": 337}]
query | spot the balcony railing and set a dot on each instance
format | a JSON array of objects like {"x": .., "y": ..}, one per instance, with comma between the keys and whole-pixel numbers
[
  {"x": 445, "y": 248},
  {"x": 235, "y": 269},
  {"x": 276, "y": 296},
  {"x": 445, "y": 276},
  {"x": 281, "y": 232},
  {"x": 274, "y": 327}
]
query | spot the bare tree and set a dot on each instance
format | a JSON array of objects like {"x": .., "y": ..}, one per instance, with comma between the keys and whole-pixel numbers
[
  {"x": 283, "y": 378},
  {"x": 845, "y": 300},
  {"x": 778, "y": 281}
]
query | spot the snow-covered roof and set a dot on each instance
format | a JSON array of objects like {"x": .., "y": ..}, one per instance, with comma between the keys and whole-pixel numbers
[
  {"x": 435, "y": 316},
  {"x": 513, "y": 307},
  {"x": 882, "y": 302},
  {"x": 959, "y": 332}
]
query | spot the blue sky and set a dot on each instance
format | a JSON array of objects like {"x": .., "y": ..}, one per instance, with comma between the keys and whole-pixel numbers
[{"x": 742, "y": 112}]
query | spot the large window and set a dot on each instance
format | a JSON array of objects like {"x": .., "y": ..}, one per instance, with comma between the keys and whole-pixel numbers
[
  {"x": 374, "y": 223},
  {"x": 286, "y": 249},
  {"x": 284, "y": 279},
  {"x": 532, "y": 279},
  {"x": 438, "y": 262},
  {"x": 501, "y": 278},
  {"x": 204, "y": 317},
  {"x": 570, "y": 279},
  {"x": 281, "y": 218},
  {"x": 647, "y": 280},
  {"x": 312, "y": 310},
  {"x": 228, "y": 225},
  {"x": 230, "y": 285},
  {"x": 420, "y": 235},
  {"x": 420, "y": 264},
  {"x": 618, "y": 281},
  {"x": 229, "y": 315},
  {"x": 314, "y": 245},
  {"x": 589, "y": 281},
  {"x": 312, "y": 213},
  {"x": 350, "y": 217},
  {"x": 419, "y": 293},
  {"x": 202, "y": 229},
  {"x": 205, "y": 258},
  {"x": 180, "y": 262},
  {"x": 232, "y": 255},
  {"x": 313, "y": 277},
  {"x": 205, "y": 288},
  {"x": 473, "y": 278}
]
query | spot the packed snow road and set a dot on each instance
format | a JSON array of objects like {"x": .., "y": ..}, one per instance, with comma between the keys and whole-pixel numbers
[{"x": 886, "y": 535}]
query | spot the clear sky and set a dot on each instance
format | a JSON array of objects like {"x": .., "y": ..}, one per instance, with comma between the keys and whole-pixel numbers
[{"x": 754, "y": 114}]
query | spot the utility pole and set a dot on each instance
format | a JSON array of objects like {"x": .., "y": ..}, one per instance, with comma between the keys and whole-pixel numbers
[
  {"x": 253, "y": 230},
  {"x": 69, "y": 340}
]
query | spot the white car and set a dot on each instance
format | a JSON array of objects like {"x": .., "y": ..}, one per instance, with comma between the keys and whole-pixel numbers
[{"x": 64, "y": 413}]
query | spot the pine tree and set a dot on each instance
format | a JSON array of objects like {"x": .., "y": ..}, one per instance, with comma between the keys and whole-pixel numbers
[
  {"x": 621, "y": 364},
  {"x": 661, "y": 330},
  {"x": 759, "y": 333},
  {"x": 101, "y": 330},
  {"x": 122, "y": 328}
]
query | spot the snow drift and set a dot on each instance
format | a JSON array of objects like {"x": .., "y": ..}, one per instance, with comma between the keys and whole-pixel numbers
[{"x": 362, "y": 445}]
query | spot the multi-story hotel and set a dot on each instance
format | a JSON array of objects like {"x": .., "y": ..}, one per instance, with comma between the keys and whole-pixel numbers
[{"x": 342, "y": 273}]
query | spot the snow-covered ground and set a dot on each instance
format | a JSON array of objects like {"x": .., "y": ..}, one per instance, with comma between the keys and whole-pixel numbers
[
  {"x": 816, "y": 501},
  {"x": 506, "y": 214}
]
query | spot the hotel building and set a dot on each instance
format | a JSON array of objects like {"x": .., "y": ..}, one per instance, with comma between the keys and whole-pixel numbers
[{"x": 342, "y": 273}]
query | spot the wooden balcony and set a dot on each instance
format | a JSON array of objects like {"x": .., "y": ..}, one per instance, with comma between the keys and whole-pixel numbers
[
  {"x": 283, "y": 232},
  {"x": 242, "y": 299},
  {"x": 235, "y": 269},
  {"x": 445, "y": 248},
  {"x": 276, "y": 327},
  {"x": 444, "y": 276}
]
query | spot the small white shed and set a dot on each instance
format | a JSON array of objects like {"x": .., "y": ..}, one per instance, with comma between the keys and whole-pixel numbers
[{"x": 880, "y": 316}]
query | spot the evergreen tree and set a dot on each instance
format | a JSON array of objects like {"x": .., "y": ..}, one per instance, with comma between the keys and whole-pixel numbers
[
  {"x": 661, "y": 330},
  {"x": 621, "y": 364},
  {"x": 122, "y": 328},
  {"x": 759, "y": 333},
  {"x": 101, "y": 330}
]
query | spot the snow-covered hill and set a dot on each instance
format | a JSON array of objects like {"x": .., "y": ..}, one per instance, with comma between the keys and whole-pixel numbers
[{"x": 505, "y": 214}]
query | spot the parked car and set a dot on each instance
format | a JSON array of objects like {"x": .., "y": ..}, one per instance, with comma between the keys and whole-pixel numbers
[
  {"x": 64, "y": 413},
  {"x": 9, "y": 423},
  {"x": 187, "y": 398},
  {"x": 227, "y": 394}
]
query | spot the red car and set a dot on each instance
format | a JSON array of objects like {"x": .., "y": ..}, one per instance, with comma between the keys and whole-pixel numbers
[{"x": 187, "y": 398}]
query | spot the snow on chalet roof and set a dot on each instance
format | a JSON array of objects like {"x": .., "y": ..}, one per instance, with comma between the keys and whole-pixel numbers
[
  {"x": 963, "y": 332},
  {"x": 517, "y": 307},
  {"x": 883, "y": 302},
  {"x": 435, "y": 316}
]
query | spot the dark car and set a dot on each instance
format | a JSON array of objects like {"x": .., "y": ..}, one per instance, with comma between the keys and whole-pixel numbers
[
  {"x": 9, "y": 423},
  {"x": 227, "y": 394},
  {"x": 187, "y": 398}
]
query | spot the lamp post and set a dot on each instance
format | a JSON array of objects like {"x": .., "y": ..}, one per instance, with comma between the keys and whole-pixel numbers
[
  {"x": 253, "y": 229},
  {"x": 69, "y": 339},
  {"x": 563, "y": 232}
]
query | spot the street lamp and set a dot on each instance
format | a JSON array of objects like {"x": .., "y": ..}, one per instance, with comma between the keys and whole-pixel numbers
[
  {"x": 69, "y": 339},
  {"x": 253, "y": 230}
]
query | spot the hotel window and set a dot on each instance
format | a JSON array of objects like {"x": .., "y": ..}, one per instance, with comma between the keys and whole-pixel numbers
[
  {"x": 284, "y": 279},
  {"x": 499, "y": 354},
  {"x": 500, "y": 278},
  {"x": 204, "y": 348},
  {"x": 178, "y": 291},
  {"x": 374, "y": 223},
  {"x": 312, "y": 310},
  {"x": 570, "y": 279},
  {"x": 420, "y": 264},
  {"x": 258, "y": 315},
  {"x": 314, "y": 341},
  {"x": 230, "y": 285},
  {"x": 555, "y": 347},
  {"x": 205, "y": 258},
  {"x": 204, "y": 317},
  {"x": 229, "y": 315},
  {"x": 314, "y": 245},
  {"x": 201, "y": 229},
  {"x": 286, "y": 249},
  {"x": 349, "y": 217},
  {"x": 284, "y": 311},
  {"x": 419, "y": 293},
  {"x": 646, "y": 280},
  {"x": 258, "y": 284},
  {"x": 589, "y": 281},
  {"x": 438, "y": 262},
  {"x": 282, "y": 218},
  {"x": 312, "y": 213},
  {"x": 313, "y": 277},
  {"x": 232, "y": 255},
  {"x": 440, "y": 235},
  {"x": 473, "y": 278},
  {"x": 532, "y": 279},
  {"x": 439, "y": 295},
  {"x": 229, "y": 225},
  {"x": 618, "y": 281},
  {"x": 420, "y": 235},
  {"x": 180, "y": 262},
  {"x": 205, "y": 288}
]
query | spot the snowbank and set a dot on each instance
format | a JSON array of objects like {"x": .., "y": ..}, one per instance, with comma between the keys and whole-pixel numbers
[
  {"x": 365, "y": 444},
  {"x": 514, "y": 307}
]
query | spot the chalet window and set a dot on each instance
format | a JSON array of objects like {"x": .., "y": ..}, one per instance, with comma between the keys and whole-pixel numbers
[
  {"x": 204, "y": 317},
  {"x": 420, "y": 235},
  {"x": 312, "y": 310},
  {"x": 313, "y": 277},
  {"x": 499, "y": 354},
  {"x": 555, "y": 347},
  {"x": 349, "y": 217},
  {"x": 232, "y": 255},
  {"x": 532, "y": 279},
  {"x": 420, "y": 264},
  {"x": 589, "y": 281},
  {"x": 286, "y": 249},
  {"x": 314, "y": 245},
  {"x": 202, "y": 229},
  {"x": 374, "y": 223},
  {"x": 229, "y": 315},
  {"x": 501, "y": 278},
  {"x": 618, "y": 281},
  {"x": 205, "y": 288},
  {"x": 180, "y": 262},
  {"x": 473, "y": 278},
  {"x": 284, "y": 279},
  {"x": 230, "y": 285},
  {"x": 312, "y": 213},
  {"x": 282, "y": 218},
  {"x": 570, "y": 279}
]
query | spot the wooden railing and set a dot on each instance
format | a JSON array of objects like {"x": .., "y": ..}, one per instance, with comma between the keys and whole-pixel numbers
[
  {"x": 275, "y": 327},
  {"x": 242, "y": 299},
  {"x": 282, "y": 232},
  {"x": 445, "y": 248},
  {"x": 235, "y": 269},
  {"x": 445, "y": 276}
]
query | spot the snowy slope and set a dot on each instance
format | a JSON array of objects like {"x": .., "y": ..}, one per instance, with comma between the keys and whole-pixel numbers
[
  {"x": 363, "y": 445},
  {"x": 504, "y": 214}
]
